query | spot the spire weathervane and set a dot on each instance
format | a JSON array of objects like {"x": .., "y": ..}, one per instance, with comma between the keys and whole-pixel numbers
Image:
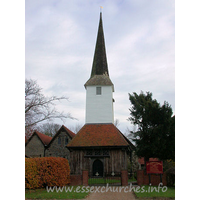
[{"x": 101, "y": 7}]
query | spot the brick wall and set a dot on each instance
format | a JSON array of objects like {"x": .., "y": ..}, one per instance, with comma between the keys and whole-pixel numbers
[
  {"x": 124, "y": 177},
  {"x": 75, "y": 179},
  {"x": 82, "y": 179},
  {"x": 143, "y": 178},
  {"x": 79, "y": 179},
  {"x": 85, "y": 177}
]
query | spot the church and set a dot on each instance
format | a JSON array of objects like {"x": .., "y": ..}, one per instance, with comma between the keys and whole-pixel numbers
[{"x": 99, "y": 147}]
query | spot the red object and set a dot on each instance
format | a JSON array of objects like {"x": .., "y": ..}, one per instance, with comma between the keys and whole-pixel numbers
[
  {"x": 154, "y": 167},
  {"x": 141, "y": 160},
  {"x": 92, "y": 135}
]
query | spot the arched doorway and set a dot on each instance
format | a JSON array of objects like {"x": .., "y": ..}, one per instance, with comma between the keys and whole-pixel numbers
[{"x": 97, "y": 168}]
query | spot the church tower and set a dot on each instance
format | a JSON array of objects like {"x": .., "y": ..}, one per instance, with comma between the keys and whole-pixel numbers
[
  {"x": 99, "y": 146},
  {"x": 99, "y": 87}
]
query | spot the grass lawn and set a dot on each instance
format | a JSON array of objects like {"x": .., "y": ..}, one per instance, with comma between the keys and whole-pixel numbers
[
  {"x": 105, "y": 181},
  {"x": 102, "y": 181},
  {"x": 132, "y": 179},
  {"x": 74, "y": 193},
  {"x": 152, "y": 191}
]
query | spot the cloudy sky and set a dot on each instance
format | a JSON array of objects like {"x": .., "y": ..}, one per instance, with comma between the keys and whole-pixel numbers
[{"x": 60, "y": 39}]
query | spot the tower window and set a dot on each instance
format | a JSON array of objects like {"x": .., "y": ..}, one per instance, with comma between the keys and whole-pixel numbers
[{"x": 98, "y": 90}]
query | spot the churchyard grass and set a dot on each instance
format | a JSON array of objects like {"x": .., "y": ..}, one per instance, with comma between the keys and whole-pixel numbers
[
  {"x": 102, "y": 181},
  {"x": 43, "y": 194},
  {"x": 149, "y": 191},
  {"x": 105, "y": 181},
  {"x": 132, "y": 179}
]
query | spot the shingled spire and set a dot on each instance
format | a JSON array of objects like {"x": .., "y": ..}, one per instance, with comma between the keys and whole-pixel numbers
[
  {"x": 100, "y": 65},
  {"x": 99, "y": 74}
]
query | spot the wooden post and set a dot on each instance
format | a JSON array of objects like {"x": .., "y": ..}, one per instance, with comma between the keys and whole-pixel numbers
[
  {"x": 161, "y": 179},
  {"x": 149, "y": 179}
]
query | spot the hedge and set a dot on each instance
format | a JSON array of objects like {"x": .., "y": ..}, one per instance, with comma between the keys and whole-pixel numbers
[
  {"x": 31, "y": 174},
  {"x": 46, "y": 171}
]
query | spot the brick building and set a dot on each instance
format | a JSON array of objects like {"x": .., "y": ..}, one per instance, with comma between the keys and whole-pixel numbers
[
  {"x": 36, "y": 144},
  {"x": 41, "y": 145},
  {"x": 57, "y": 146}
]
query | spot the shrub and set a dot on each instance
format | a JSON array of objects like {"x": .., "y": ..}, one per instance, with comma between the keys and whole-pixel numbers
[
  {"x": 31, "y": 175},
  {"x": 170, "y": 176},
  {"x": 46, "y": 171}
]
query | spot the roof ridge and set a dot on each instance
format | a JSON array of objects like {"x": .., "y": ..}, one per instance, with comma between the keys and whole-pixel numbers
[
  {"x": 70, "y": 132},
  {"x": 44, "y": 138}
]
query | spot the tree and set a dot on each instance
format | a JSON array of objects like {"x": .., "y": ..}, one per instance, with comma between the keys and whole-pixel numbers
[
  {"x": 76, "y": 127},
  {"x": 116, "y": 123},
  {"x": 155, "y": 136},
  {"x": 39, "y": 108},
  {"x": 49, "y": 129}
]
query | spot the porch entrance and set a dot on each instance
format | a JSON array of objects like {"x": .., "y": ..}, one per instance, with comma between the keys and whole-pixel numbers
[
  {"x": 99, "y": 177},
  {"x": 97, "y": 168}
]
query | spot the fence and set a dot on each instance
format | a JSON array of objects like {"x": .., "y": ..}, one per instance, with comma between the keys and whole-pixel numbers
[
  {"x": 107, "y": 178},
  {"x": 113, "y": 179}
]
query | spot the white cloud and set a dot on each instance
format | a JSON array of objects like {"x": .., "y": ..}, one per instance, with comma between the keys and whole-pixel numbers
[{"x": 139, "y": 36}]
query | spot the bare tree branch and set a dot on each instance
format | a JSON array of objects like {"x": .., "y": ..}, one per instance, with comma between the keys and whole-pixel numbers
[
  {"x": 76, "y": 127},
  {"x": 39, "y": 108},
  {"x": 49, "y": 129},
  {"x": 116, "y": 123}
]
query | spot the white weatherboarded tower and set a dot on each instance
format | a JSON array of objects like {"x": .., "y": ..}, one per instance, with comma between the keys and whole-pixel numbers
[{"x": 99, "y": 87}]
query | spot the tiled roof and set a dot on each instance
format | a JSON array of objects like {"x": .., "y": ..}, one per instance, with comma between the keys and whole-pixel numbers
[
  {"x": 70, "y": 132},
  {"x": 93, "y": 135},
  {"x": 45, "y": 138},
  {"x": 99, "y": 80}
]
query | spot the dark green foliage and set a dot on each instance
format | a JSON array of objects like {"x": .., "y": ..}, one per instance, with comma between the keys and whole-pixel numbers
[
  {"x": 156, "y": 127},
  {"x": 170, "y": 176}
]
